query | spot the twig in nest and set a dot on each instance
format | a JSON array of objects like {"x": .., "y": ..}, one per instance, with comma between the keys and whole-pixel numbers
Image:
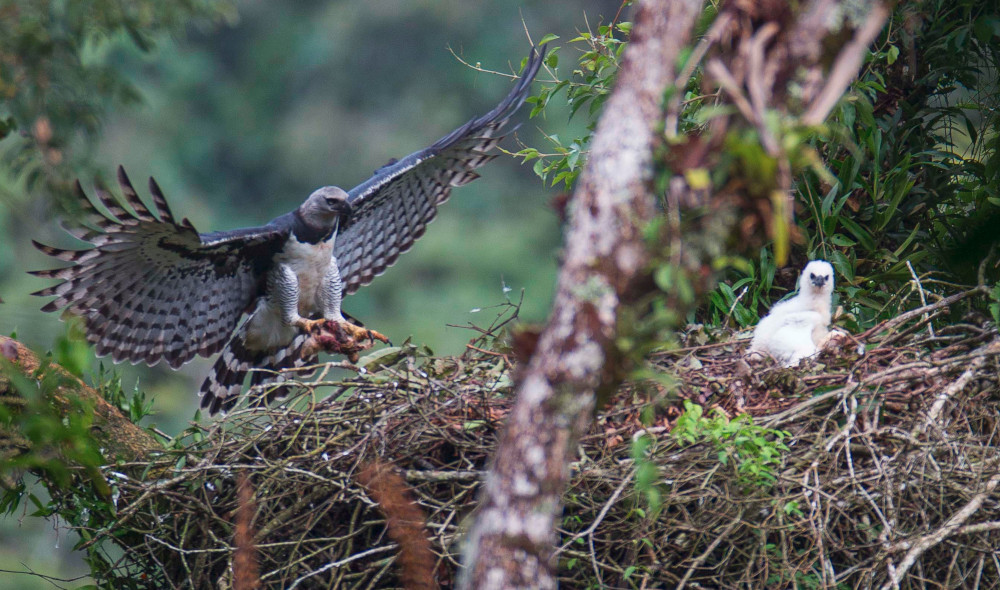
[
  {"x": 708, "y": 551},
  {"x": 732, "y": 308},
  {"x": 948, "y": 393},
  {"x": 909, "y": 315},
  {"x": 923, "y": 298},
  {"x": 931, "y": 539}
]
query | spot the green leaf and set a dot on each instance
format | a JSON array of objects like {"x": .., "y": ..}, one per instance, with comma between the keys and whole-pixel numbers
[
  {"x": 892, "y": 54},
  {"x": 547, "y": 38},
  {"x": 985, "y": 28},
  {"x": 841, "y": 240},
  {"x": 528, "y": 154},
  {"x": 539, "y": 169},
  {"x": 863, "y": 236}
]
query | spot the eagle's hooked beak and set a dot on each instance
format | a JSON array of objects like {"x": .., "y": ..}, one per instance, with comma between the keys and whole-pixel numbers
[{"x": 343, "y": 208}]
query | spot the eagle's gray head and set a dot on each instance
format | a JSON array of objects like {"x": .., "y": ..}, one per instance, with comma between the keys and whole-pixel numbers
[
  {"x": 816, "y": 278},
  {"x": 324, "y": 207}
]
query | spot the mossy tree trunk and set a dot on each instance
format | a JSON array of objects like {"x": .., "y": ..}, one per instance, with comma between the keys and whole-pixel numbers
[
  {"x": 769, "y": 59},
  {"x": 111, "y": 430},
  {"x": 512, "y": 542}
]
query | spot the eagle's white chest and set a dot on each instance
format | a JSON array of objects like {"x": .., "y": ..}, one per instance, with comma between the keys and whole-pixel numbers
[{"x": 310, "y": 263}]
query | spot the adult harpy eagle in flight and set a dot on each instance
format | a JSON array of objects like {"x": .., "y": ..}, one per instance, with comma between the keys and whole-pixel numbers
[{"x": 150, "y": 288}]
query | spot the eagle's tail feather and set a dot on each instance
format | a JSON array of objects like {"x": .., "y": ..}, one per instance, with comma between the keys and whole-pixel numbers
[{"x": 221, "y": 389}]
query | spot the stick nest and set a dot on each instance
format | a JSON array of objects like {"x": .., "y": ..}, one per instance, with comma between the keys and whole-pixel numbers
[{"x": 889, "y": 478}]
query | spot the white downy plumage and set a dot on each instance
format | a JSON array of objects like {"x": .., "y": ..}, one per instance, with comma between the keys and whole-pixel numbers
[{"x": 796, "y": 328}]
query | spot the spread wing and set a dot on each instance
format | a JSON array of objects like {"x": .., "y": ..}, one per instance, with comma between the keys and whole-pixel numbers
[
  {"x": 393, "y": 207},
  {"x": 150, "y": 289}
]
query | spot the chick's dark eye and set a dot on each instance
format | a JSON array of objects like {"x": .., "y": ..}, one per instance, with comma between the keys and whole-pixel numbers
[{"x": 812, "y": 275}]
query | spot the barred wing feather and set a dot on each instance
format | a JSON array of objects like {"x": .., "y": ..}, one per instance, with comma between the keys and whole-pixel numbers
[
  {"x": 150, "y": 289},
  {"x": 393, "y": 207}
]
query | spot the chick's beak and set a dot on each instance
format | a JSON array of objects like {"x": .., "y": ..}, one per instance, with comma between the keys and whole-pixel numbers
[{"x": 819, "y": 281}]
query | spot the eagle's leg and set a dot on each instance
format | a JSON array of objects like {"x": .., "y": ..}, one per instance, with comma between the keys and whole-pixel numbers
[
  {"x": 361, "y": 333},
  {"x": 283, "y": 291},
  {"x": 332, "y": 295},
  {"x": 333, "y": 333}
]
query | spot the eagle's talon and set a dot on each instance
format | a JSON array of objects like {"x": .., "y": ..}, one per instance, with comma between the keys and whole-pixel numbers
[
  {"x": 361, "y": 334},
  {"x": 336, "y": 337},
  {"x": 311, "y": 326},
  {"x": 373, "y": 336}
]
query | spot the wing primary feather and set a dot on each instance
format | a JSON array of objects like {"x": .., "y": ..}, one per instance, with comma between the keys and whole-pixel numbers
[
  {"x": 416, "y": 185},
  {"x": 160, "y": 202},
  {"x": 140, "y": 211},
  {"x": 91, "y": 213},
  {"x": 141, "y": 283},
  {"x": 114, "y": 207},
  {"x": 65, "y": 255},
  {"x": 83, "y": 233}
]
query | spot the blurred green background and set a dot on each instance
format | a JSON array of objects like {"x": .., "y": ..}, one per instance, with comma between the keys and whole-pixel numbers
[{"x": 239, "y": 114}]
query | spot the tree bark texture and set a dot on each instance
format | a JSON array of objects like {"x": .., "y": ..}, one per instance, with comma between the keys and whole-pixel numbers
[
  {"x": 512, "y": 542},
  {"x": 769, "y": 56}
]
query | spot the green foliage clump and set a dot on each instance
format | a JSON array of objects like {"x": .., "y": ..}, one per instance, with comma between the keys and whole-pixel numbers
[
  {"x": 55, "y": 80},
  {"x": 741, "y": 300},
  {"x": 754, "y": 451},
  {"x": 589, "y": 84},
  {"x": 40, "y": 435}
]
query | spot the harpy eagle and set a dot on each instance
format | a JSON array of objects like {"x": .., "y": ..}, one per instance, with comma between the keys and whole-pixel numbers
[
  {"x": 797, "y": 327},
  {"x": 149, "y": 288}
]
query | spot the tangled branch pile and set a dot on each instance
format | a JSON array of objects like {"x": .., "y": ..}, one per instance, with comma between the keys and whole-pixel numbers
[{"x": 889, "y": 478}]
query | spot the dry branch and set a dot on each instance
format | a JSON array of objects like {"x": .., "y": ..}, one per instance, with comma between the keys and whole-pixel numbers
[
  {"x": 897, "y": 573},
  {"x": 246, "y": 569}
]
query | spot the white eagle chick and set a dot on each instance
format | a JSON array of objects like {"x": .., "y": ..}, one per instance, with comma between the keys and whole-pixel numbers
[{"x": 796, "y": 328}]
